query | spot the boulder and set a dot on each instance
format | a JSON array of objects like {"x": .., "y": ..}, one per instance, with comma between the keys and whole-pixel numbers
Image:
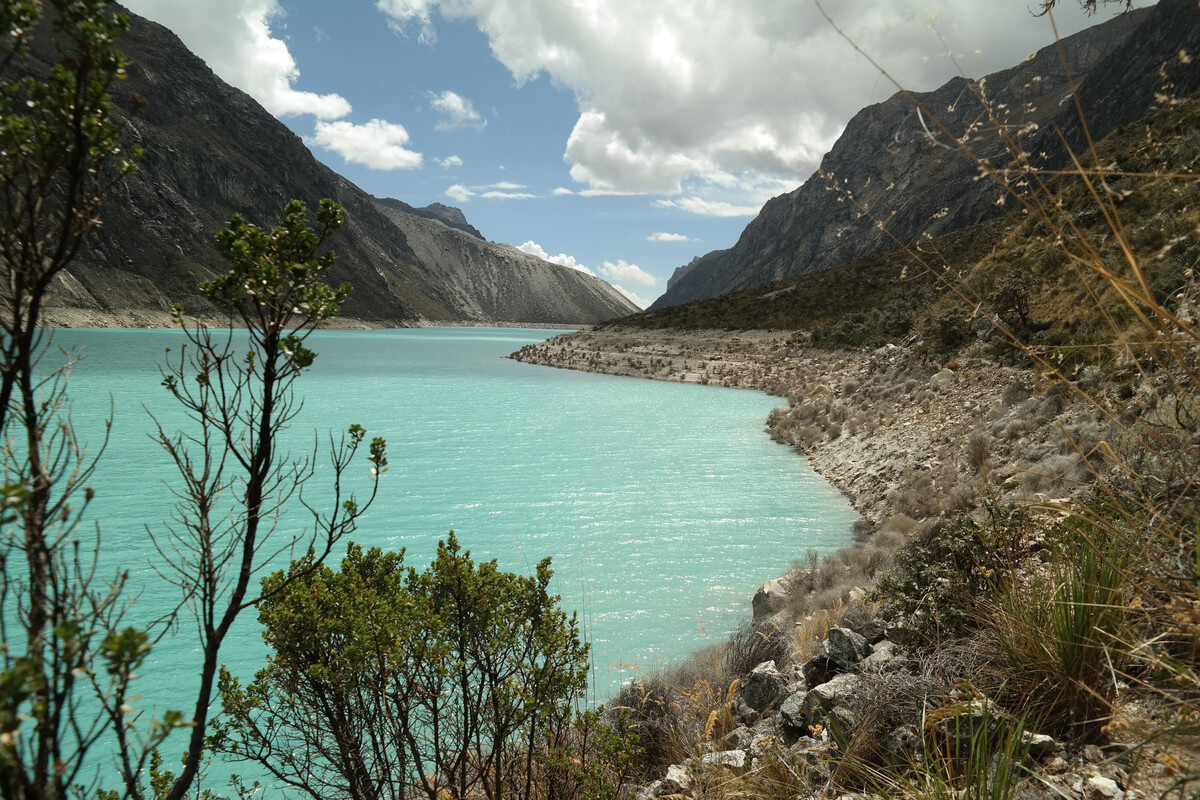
[
  {"x": 843, "y": 648},
  {"x": 1098, "y": 787},
  {"x": 817, "y": 670},
  {"x": 764, "y": 687},
  {"x": 1039, "y": 745},
  {"x": 737, "y": 739},
  {"x": 771, "y": 598},
  {"x": 902, "y": 741},
  {"x": 678, "y": 779},
  {"x": 650, "y": 791},
  {"x": 882, "y": 653},
  {"x": 835, "y": 693},
  {"x": 734, "y": 759},
  {"x": 791, "y": 713}
]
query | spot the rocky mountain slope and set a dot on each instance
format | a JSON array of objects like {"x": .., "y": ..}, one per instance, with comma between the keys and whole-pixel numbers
[
  {"x": 893, "y": 159},
  {"x": 212, "y": 151}
]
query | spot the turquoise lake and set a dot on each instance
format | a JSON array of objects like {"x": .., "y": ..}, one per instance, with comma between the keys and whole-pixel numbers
[{"x": 663, "y": 505}]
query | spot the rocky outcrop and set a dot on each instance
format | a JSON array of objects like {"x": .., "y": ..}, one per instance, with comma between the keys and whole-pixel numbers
[
  {"x": 486, "y": 281},
  {"x": 212, "y": 151},
  {"x": 447, "y": 215},
  {"x": 895, "y": 160}
]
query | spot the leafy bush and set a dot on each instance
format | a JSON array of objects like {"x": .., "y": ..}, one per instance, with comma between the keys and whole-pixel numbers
[
  {"x": 389, "y": 681},
  {"x": 937, "y": 580}
]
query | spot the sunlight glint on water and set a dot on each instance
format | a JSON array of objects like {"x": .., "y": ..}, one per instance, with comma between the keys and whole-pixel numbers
[{"x": 664, "y": 505}]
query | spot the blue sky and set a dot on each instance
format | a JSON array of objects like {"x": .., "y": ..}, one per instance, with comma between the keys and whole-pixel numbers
[{"x": 622, "y": 137}]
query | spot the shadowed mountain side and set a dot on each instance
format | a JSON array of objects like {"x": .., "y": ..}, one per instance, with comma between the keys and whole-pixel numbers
[
  {"x": 896, "y": 162},
  {"x": 212, "y": 151}
]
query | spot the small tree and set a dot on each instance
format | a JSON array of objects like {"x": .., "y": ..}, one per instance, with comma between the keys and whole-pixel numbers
[
  {"x": 387, "y": 682},
  {"x": 68, "y": 656},
  {"x": 239, "y": 396}
]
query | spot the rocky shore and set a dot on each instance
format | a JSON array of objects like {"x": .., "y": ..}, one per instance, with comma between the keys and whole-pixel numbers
[
  {"x": 912, "y": 443},
  {"x": 897, "y": 434}
]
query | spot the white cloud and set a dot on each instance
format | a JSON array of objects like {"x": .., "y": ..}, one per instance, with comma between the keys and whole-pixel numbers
[
  {"x": 709, "y": 208},
  {"x": 509, "y": 186},
  {"x": 562, "y": 259},
  {"x": 507, "y": 196},
  {"x": 457, "y": 112},
  {"x": 619, "y": 271},
  {"x": 234, "y": 38},
  {"x": 376, "y": 144},
  {"x": 636, "y": 299},
  {"x": 460, "y": 193},
  {"x": 672, "y": 91},
  {"x": 627, "y": 273},
  {"x": 667, "y": 237},
  {"x": 560, "y": 191},
  {"x": 450, "y": 161}
]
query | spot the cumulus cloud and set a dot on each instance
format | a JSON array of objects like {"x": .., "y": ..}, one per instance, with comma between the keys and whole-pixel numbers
[
  {"x": 450, "y": 161},
  {"x": 509, "y": 186},
  {"x": 627, "y": 273},
  {"x": 620, "y": 271},
  {"x": 668, "y": 93},
  {"x": 562, "y": 259},
  {"x": 560, "y": 191},
  {"x": 375, "y": 144},
  {"x": 709, "y": 208},
  {"x": 460, "y": 193},
  {"x": 667, "y": 237},
  {"x": 494, "y": 195},
  {"x": 234, "y": 38},
  {"x": 636, "y": 299},
  {"x": 457, "y": 112}
]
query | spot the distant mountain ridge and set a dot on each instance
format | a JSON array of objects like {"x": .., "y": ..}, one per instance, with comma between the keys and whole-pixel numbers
[
  {"x": 894, "y": 160},
  {"x": 212, "y": 151}
]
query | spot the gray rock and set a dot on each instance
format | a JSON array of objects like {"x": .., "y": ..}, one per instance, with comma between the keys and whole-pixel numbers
[
  {"x": 650, "y": 791},
  {"x": 737, "y": 739},
  {"x": 1033, "y": 788},
  {"x": 764, "y": 743},
  {"x": 1098, "y": 787},
  {"x": 678, "y": 779},
  {"x": 902, "y": 740},
  {"x": 791, "y": 713},
  {"x": 771, "y": 598},
  {"x": 1039, "y": 745},
  {"x": 843, "y": 721},
  {"x": 734, "y": 759},
  {"x": 817, "y": 671},
  {"x": 973, "y": 717},
  {"x": 843, "y": 648},
  {"x": 882, "y": 654},
  {"x": 838, "y": 692},
  {"x": 765, "y": 687}
]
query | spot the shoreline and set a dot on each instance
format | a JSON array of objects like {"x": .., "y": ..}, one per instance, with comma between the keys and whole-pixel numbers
[
  {"x": 897, "y": 436},
  {"x": 150, "y": 319}
]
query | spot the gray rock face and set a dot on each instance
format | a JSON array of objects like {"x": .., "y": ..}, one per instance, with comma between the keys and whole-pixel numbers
[
  {"x": 791, "y": 713},
  {"x": 764, "y": 687},
  {"x": 843, "y": 648},
  {"x": 838, "y": 692},
  {"x": 897, "y": 163},
  {"x": 771, "y": 598},
  {"x": 487, "y": 281},
  {"x": 734, "y": 759},
  {"x": 212, "y": 151},
  {"x": 677, "y": 779}
]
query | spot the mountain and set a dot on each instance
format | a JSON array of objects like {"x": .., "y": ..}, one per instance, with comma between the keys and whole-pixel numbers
[
  {"x": 447, "y": 215},
  {"x": 212, "y": 151},
  {"x": 894, "y": 160}
]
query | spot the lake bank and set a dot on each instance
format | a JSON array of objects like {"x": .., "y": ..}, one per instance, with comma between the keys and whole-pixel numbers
[{"x": 900, "y": 436}]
